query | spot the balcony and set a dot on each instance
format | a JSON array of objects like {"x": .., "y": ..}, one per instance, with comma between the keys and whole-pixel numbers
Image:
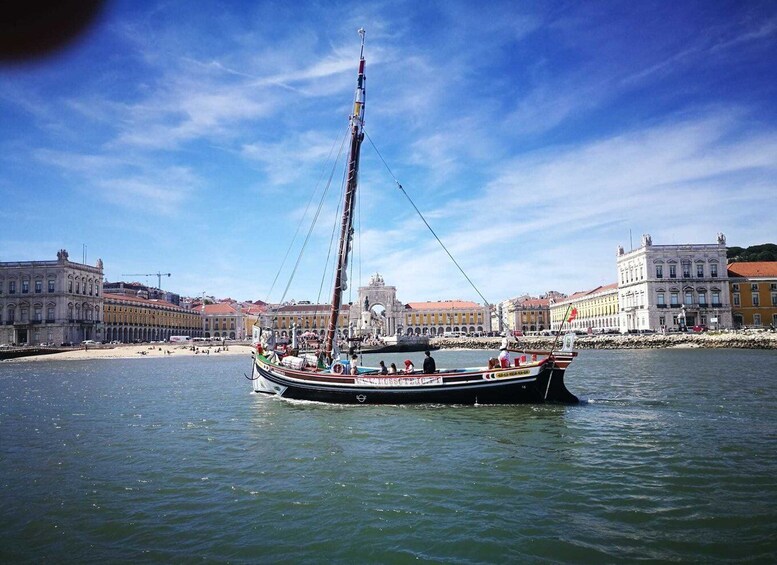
[
  {"x": 674, "y": 305},
  {"x": 662, "y": 305}
]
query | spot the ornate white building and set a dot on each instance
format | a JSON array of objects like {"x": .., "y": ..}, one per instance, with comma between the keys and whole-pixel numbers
[
  {"x": 671, "y": 286},
  {"x": 51, "y": 302}
]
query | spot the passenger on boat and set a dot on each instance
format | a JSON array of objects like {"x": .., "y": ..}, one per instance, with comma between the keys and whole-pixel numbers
[
  {"x": 429, "y": 365},
  {"x": 392, "y": 369},
  {"x": 383, "y": 369},
  {"x": 493, "y": 363},
  {"x": 354, "y": 366},
  {"x": 504, "y": 355},
  {"x": 409, "y": 368}
]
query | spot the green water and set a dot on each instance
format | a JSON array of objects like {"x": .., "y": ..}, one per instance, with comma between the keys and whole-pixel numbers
[{"x": 672, "y": 458}]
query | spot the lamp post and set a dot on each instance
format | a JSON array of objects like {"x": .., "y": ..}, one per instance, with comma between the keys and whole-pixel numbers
[{"x": 203, "y": 313}]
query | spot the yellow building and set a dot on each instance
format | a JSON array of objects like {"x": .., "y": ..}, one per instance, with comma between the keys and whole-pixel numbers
[
  {"x": 445, "y": 317},
  {"x": 753, "y": 289},
  {"x": 306, "y": 318},
  {"x": 135, "y": 318},
  {"x": 595, "y": 310}
]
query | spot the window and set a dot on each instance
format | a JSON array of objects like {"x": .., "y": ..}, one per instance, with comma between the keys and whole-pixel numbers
[
  {"x": 686, "y": 269},
  {"x": 713, "y": 270},
  {"x": 51, "y": 285},
  {"x": 735, "y": 299},
  {"x": 78, "y": 287},
  {"x": 50, "y": 314},
  {"x": 659, "y": 271},
  {"x": 688, "y": 297},
  {"x": 735, "y": 287},
  {"x": 25, "y": 287},
  {"x": 757, "y": 320},
  {"x": 38, "y": 314},
  {"x": 754, "y": 287},
  {"x": 702, "y": 298},
  {"x": 674, "y": 298},
  {"x": 774, "y": 299},
  {"x": 716, "y": 297},
  {"x": 699, "y": 270},
  {"x": 662, "y": 320},
  {"x": 660, "y": 297},
  {"x": 70, "y": 286},
  {"x": 672, "y": 271},
  {"x": 38, "y": 287},
  {"x": 11, "y": 287},
  {"x": 756, "y": 300}
]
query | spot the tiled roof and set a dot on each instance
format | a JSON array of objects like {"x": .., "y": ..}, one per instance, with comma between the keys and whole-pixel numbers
[
  {"x": 220, "y": 309},
  {"x": 443, "y": 305},
  {"x": 533, "y": 303},
  {"x": 139, "y": 300},
  {"x": 583, "y": 293},
  {"x": 754, "y": 269},
  {"x": 312, "y": 308}
]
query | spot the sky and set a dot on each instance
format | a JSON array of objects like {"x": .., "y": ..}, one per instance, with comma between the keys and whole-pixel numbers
[{"x": 533, "y": 137}]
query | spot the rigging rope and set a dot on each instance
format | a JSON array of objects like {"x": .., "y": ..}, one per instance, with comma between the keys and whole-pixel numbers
[
  {"x": 312, "y": 224},
  {"x": 305, "y": 214},
  {"x": 486, "y": 302}
]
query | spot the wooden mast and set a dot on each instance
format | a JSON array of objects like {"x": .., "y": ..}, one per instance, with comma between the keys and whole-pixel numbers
[{"x": 346, "y": 227}]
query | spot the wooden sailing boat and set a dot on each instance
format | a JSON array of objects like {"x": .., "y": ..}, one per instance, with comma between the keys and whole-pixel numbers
[{"x": 328, "y": 379}]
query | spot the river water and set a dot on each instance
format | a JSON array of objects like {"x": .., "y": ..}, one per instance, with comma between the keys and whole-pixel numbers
[{"x": 672, "y": 457}]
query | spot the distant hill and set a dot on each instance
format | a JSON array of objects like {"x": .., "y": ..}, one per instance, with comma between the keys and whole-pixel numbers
[{"x": 763, "y": 252}]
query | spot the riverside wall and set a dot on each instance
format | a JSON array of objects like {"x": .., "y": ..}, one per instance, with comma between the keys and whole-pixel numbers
[{"x": 746, "y": 339}]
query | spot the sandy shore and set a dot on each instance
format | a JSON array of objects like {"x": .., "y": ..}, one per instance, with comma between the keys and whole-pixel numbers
[{"x": 137, "y": 352}]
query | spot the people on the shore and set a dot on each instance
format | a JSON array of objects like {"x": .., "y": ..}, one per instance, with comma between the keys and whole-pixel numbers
[{"x": 429, "y": 365}]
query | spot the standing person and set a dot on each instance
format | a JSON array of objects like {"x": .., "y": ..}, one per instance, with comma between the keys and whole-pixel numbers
[
  {"x": 504, "y": 354},
  {"x": 429, "y": 365},
  {"x": 409, "y": 368},
  {"x": 383, "y": 369}
]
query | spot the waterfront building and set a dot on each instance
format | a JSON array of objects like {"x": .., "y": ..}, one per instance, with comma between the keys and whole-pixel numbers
[
  {"x": 437, "y": 318},
  {"x": 592, "y": 311},
  {"x": 52, "y": 302},
  {"x": 305, "y": 317},
  {"x": 252, "y": 315},
  {"x": 753, "y": 294},
  {"x": 673, "y": 286},
  {"x": 528, "y": 314},
  {"x": 223, "y": 321},
  {"x": 133, "y": 318}
]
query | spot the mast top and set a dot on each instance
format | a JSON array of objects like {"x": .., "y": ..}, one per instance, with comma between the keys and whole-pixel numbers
[{"x": 361, "y": 32}]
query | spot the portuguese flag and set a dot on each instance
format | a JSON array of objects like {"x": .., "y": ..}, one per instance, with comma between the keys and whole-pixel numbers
[{"x": 572, "y": 315}]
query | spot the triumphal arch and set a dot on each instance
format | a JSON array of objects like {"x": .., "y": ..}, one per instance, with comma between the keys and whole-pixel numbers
[{"x": 377, "y": 312}]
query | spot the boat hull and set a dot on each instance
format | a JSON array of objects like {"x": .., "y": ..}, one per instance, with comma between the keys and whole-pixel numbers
[{"x": 511, "y": 386}]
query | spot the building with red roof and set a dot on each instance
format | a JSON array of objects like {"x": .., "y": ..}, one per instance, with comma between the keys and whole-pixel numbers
[{"x": 753, "y": 293}]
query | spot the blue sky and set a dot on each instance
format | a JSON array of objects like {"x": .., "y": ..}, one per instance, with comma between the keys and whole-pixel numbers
[{"x": 534, "y": 136}]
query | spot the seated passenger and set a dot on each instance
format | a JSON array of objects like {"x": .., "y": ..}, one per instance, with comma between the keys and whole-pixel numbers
[{"x": 354, "y": 366}]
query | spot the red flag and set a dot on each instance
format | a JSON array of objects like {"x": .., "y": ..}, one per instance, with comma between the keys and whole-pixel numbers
[{"x": 572, "y": 315}]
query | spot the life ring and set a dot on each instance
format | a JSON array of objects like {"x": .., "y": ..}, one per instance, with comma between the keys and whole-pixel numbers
[{"x": 338, "y": 368}]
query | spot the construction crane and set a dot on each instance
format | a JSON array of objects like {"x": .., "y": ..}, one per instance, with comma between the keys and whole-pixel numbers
[{"x": 157, "y": 274}]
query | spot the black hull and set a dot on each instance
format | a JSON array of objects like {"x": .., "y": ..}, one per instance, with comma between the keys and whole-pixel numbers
[{"x": 548, "y": 386}]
